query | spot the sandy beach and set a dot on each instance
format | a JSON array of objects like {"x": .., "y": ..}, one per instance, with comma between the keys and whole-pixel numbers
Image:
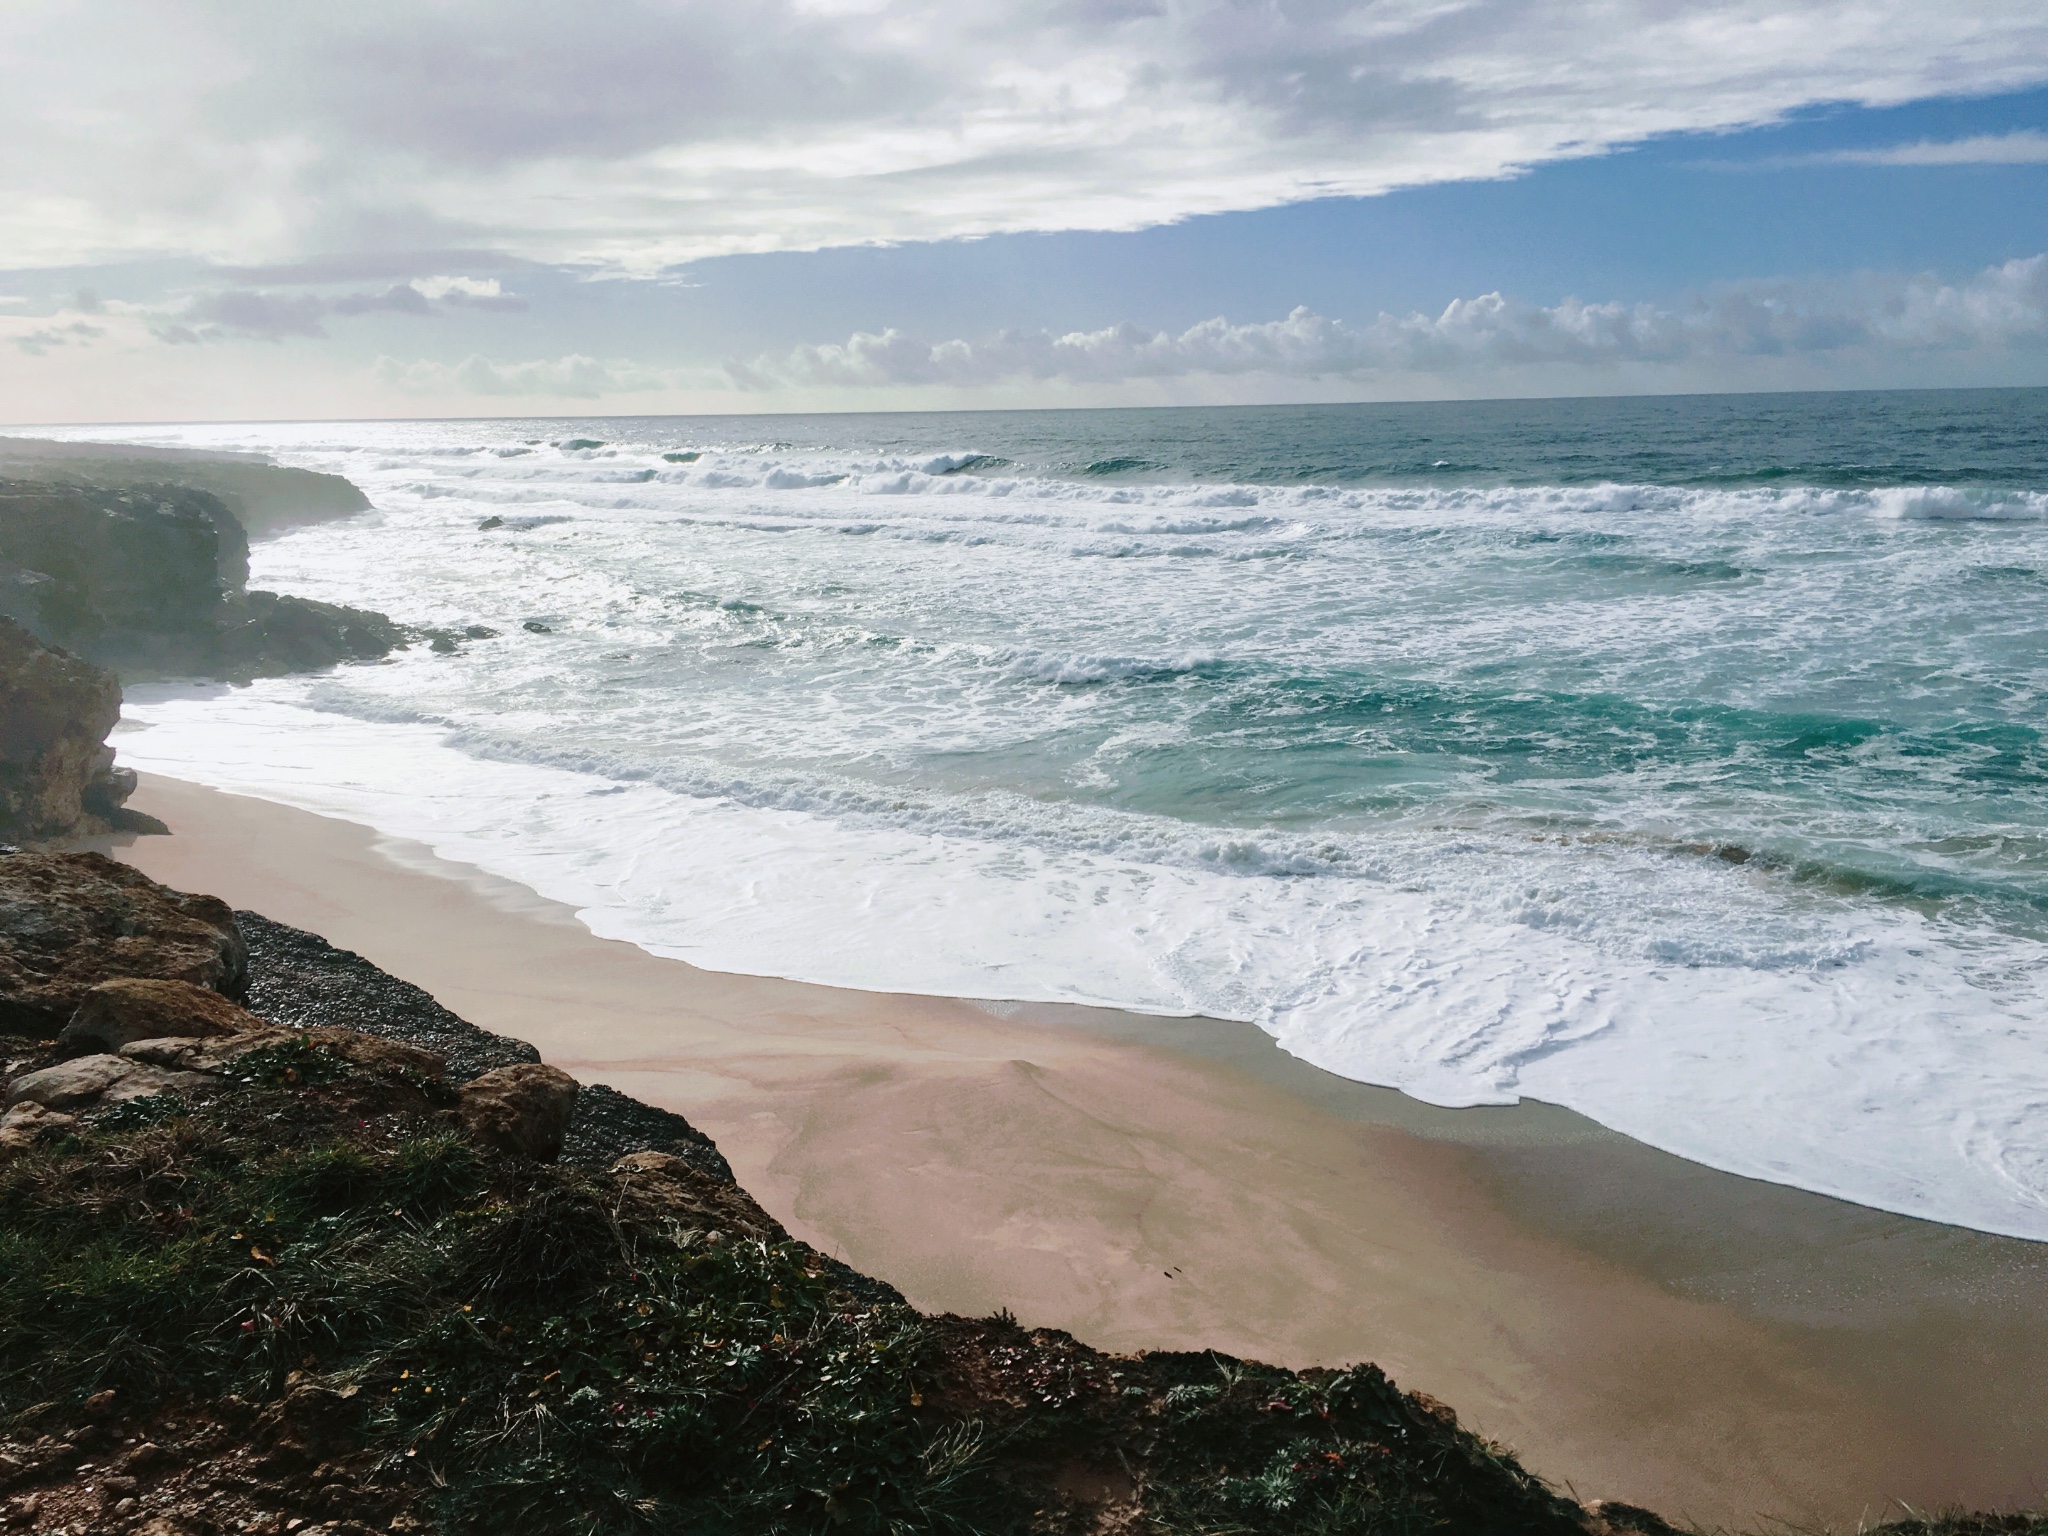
[{"x": 1635, "y": 1326}]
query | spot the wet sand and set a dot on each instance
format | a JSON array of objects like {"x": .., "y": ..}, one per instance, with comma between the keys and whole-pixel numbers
[{"x": 1635, "y": 1326}]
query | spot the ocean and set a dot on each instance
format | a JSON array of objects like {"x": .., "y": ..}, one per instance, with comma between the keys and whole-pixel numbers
[{"x": 1678, "y": 760}]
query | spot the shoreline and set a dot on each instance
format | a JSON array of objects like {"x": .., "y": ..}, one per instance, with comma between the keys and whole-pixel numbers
[{"x": 1638, "y": 1327}]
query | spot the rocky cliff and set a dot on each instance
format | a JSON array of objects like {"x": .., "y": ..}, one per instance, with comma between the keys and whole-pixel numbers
[
  {"x": 148, "y": 578},
  {"x": 57, "y": 775},
  {"x": 263, "y": 497}
]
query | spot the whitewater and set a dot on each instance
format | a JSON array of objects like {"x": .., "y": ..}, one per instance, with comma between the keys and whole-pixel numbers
[{"x": 1678, "y": 765}]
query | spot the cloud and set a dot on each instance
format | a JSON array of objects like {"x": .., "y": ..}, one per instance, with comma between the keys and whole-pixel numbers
[
  {"x": 399, "y": 298},
  {"x": 469, "y": 292},
  {"x": 652, "y": 132},
  {"x": 40, "y": 340},
  {"x": 2024, "y": 146},
  {"x": 2004, "y": 306},
  {"x": 574, "y": 377},
  {"x": 245, "y": 313},
  {"x": 84, "y": 322},
  {"x": 367, "y": 267}
]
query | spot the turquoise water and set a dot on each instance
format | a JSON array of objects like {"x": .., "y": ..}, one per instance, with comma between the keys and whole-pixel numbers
[{"x": 1677, "y": 759}]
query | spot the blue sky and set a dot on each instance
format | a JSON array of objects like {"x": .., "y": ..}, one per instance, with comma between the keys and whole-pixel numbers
[
  {"x": 1647, "y": 222},
  {"x": 1737, "y": 197}
]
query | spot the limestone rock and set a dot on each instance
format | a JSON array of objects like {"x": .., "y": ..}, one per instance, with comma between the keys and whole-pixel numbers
[
  {"x": 103, "y": 1079},
  {"x": 182, "y": 1053},
  {"x": 524, "y": 1109},
  {"x": 71, "y": 921},
  {"x": 376, "y": 1054},
  {"x": 28, "y": 1122},
  {"x": 56, "y": 774},
  {"x": 131, "y": 1008},
  {"x": 218, "y": 1053},
  {"x": 129, "y": 568},
  {"x": 262, "y": 496},
  {"x": 662, "y": 1184}
]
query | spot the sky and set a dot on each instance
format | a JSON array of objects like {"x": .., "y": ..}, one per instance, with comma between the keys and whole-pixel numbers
[{"x": 230, "y": 209}]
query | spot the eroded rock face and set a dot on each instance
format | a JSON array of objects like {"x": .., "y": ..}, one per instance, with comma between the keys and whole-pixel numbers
[
  {"x": 125, "y": 565},
  {"x": 148, "y": 577},
  {"x": 69, "y": 921},
  {"x": 523, "y": 1109},
  {"x": 57, "y": 776},
  {"x": 130, "y": 1008}
]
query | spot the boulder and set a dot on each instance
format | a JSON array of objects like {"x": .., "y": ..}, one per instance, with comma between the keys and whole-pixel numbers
[
  {"x": 181, "y": 1053},
  {"x": 523, "y": 1109},
  {"x": 373, "y": 1053},
  {"x": 57, "y": 776},
  {"x": 664, "y": 1185},
  {"x": 130, "y": 1008},
  {"x": 261, "y": 634},
  {"x": 28, "y": 1123},
  {"x": 69, "y": 921},
  {"x": 218, "y": 1053},
  {"x": 99, "y": 1079}
]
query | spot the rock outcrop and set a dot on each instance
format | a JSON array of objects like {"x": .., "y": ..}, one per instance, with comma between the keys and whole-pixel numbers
[
  {"x": 27, "y": 1123},
  {"x": 523, "y": 1109},
  {"x": 130, "y": 1008},
  {"x": 260, "y": 634},
  {"x": 57, "y": 775},
  {"x": 69, "y": 922},
  {"x": 262, "y": 496},
  {"x": 104, "y": 1078},
  {"x": 148, "y": 578}
]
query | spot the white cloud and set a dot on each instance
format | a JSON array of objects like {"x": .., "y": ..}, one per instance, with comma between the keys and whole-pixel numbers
[
  {"x": 572, "y": 377},
  {"x": 72, "y": 327},
  {"x": 2005, "y": 306},
  {"x": 646, "y": 132},
  {"x": 467, "y": 287},
  {"x": 2018, "y": 148}
]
